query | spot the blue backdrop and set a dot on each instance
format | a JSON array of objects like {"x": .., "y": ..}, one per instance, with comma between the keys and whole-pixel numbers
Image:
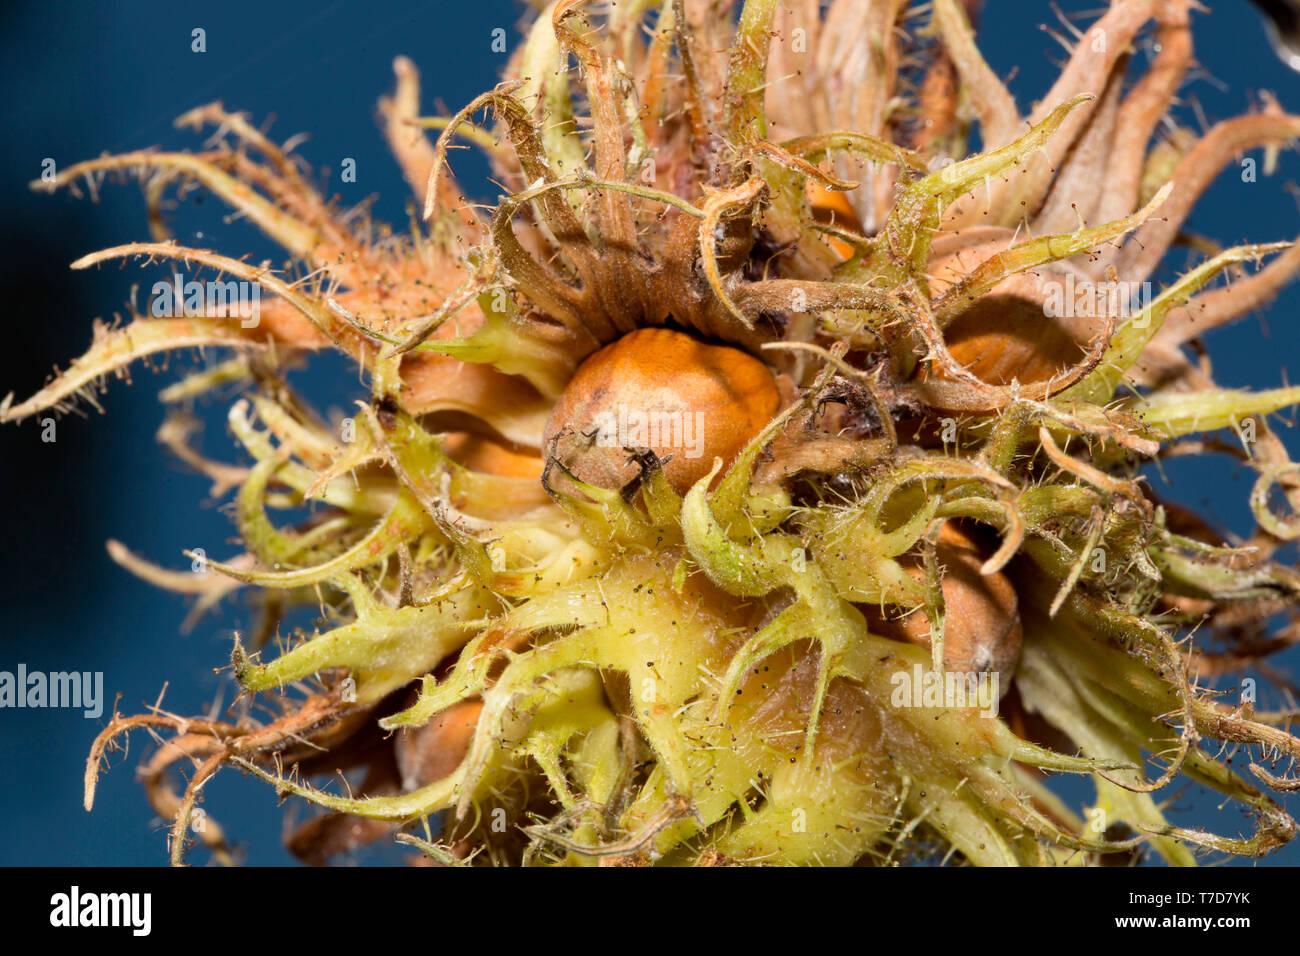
[{"x": 83, "y": 78}]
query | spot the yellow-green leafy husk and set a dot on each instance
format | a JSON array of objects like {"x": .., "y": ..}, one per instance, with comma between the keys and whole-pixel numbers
[{"x": 517, "y": 667}]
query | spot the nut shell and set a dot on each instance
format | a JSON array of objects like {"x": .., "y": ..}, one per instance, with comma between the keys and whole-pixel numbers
[
  {"x": 431, "y": 752},
  {"x": 662, "y": 390},
  {"x": 982, "y": 630}
]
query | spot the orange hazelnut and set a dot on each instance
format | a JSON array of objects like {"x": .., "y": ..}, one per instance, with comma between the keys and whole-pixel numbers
[
  {"x": 1005, "y": 337},
  {"x": 1014, "y": 331},
  {"x": 478, "y": 453},
  {"x": 665, "y": 391},
  {"x": 833, "y": 209}
]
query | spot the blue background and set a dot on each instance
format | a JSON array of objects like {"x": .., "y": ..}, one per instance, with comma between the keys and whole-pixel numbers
[{"x": 84, "y": 78}]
